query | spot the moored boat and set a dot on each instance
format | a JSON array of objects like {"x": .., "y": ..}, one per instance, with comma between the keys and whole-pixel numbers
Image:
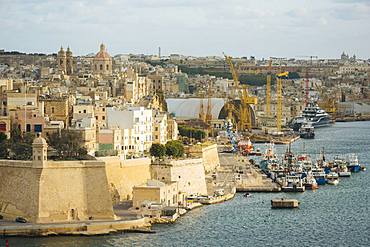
[
  {"x": 343, "y": 171},
  {"x": 353, "y": 164},
  {"x": 307, "y": 131},
  {"x": 320, "y": 177},
  {"x": 310, "y": 183},
  {"x": 293, "y": 184}
]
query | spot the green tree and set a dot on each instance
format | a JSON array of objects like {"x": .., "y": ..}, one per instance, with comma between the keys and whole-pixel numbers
[
  {"x": 68, "y": 145},
  {"x": 157, "y": 150},
  {"x": 174, "y": 149},
  {"x": 198, "y": 134},
  {"x": 3, "y": 146},
  {"x": 20, "y": 144}
]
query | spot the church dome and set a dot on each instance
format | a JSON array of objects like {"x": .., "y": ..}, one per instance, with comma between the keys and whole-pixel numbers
[{"x": 102, "y": 54}]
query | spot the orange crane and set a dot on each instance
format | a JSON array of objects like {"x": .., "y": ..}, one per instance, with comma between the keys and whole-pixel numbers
[
  {"x": 245, "y": 117},
  {"x": 279, "y": 91},
  {"x": 268, "y": 91}
]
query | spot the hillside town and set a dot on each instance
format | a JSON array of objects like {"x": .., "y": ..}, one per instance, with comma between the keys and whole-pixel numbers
[{"x": 135, "y": 139}]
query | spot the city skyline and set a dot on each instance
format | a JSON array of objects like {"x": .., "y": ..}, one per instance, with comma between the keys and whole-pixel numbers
[{"x": 240, "y": 28}]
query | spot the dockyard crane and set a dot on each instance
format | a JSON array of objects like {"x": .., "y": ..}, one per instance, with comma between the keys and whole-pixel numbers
[
  {"x": 209, "y": 103},
  {"x": 245, "y": 118},
  {"x": 279, "y": 92},
  {"x": 268, "y": 90},
  {"x": 201, "y": 115}
]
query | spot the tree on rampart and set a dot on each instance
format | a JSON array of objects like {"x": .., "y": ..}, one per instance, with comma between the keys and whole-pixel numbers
[
  {"x": 174, "y": 149},
  {"x": 68, "y": 145},
  {"x": 157, "y": 150}
]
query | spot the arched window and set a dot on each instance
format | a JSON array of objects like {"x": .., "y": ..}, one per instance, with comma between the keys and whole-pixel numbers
[
  {"x": 101, "y": 66},
  {"x": 107, "y": 67}
]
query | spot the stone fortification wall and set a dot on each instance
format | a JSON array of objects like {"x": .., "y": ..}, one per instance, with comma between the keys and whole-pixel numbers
[
  {"x": 209, "y": 155},
  {"x": 123, "y": 175},
  {"x": 188, "y": 173},
  {"x": 210, "y": 158},
  {"x": 61, "y": 191},
  {"x": 74, "y": 190},
  {"x": 19, "y": 189}
]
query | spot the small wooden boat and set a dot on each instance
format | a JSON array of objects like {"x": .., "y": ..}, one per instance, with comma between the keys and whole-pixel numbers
[{"x": 247, "y": 195}]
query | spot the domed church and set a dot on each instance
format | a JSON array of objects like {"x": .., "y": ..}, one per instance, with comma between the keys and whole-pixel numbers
[{"x": 102, "y": 62}]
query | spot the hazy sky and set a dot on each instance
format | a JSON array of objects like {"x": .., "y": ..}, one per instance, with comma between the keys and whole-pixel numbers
[{"x": 262, "y": 28}]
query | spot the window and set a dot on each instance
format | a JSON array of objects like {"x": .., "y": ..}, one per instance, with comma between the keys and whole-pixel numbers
[
  {"x": 52, "y": 110},
  {"x": 101, "y": 66},
  {"x": 3, "y": 127},
  {"x": 96, "y": 117},
  {"x": 107, "y": 67},
  {"x": 28, "y": 128},
  {"x": 38, "y": 128},
  {"x": 103, "y": 117},
  {"x": 84, "y": 111}
]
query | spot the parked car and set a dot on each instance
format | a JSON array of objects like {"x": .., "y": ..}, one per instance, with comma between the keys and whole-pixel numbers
[{"x": 20, "y": 220}]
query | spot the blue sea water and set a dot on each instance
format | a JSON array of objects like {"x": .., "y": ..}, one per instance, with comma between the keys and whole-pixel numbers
[{"x": 331, "y": 216}]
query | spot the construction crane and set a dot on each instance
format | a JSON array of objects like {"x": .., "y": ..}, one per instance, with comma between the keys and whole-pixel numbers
[
  {"x": 201, "y": 110},
  {"x": 279, "y": 91},
  {"x": 307, "y": 87},
  {"x": 208, "y": 116},
  {"x": 268, "y": 91},
  {"x": 245, "y": 118}
]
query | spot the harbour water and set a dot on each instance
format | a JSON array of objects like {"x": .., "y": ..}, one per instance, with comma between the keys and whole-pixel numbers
[{"x": 331, "y": 216}]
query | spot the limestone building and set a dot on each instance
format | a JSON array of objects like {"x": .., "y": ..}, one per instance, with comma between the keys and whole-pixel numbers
[{"x": 102, "y": 62}]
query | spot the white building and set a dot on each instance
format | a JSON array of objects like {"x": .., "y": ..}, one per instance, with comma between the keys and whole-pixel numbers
[{"x": 136, "y": 125}]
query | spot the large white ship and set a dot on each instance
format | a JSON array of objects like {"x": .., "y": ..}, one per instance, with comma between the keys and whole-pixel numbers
[{"x": 313, "y": 115}]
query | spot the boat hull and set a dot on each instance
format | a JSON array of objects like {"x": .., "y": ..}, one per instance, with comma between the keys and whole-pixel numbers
[
  {"x": 320, "y": 181},
  {"x": 356, "y": 168},
  {"x": 344, "y": 174},
  {"x": 293, "y": 189}
]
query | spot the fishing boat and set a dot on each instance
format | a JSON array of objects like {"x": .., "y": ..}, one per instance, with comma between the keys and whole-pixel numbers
[
  {"x": 319, "y": 176},
  {"x": 293, "y": 184},
  {"x": 343, "y": 171},
  {"x": 353, "y": 164},
  {"x": 310, "y": 183},
  {"x": 307, "y": 131}
]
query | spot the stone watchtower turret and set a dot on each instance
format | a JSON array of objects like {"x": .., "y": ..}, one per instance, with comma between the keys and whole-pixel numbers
[{"x": 39, "y": 152}]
